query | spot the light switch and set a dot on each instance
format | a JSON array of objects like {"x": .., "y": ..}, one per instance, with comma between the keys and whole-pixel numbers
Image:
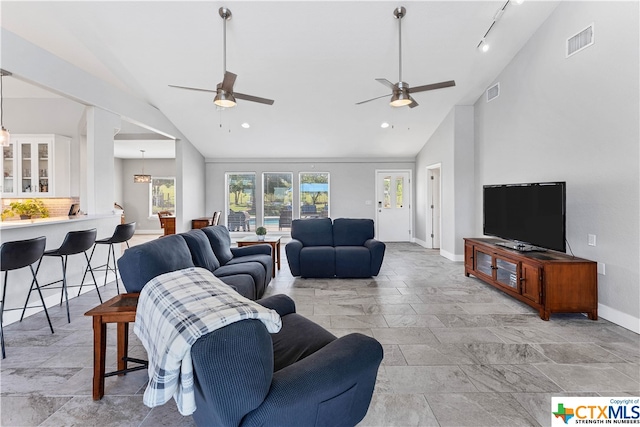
[{"x": 592, "y": 239}]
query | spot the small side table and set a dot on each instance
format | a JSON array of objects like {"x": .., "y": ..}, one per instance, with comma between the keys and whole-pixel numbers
[
  {"x": 200, "y": 222},
  {"x": 121, "y": 310},
  {"x": 274, "y": 241}
]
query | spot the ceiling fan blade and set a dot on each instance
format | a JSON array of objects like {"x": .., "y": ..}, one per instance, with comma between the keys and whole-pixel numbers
[
  {"x": 228, "y": 81},
  {"x": 194, "y": 88},
  {"x": 413, "y": 103},
  {"x": 253, "y": 98},
  {"x": 372, "y": 99},
  {"x": 387, "y": 83},
  {"x": 432, "y": 86}
]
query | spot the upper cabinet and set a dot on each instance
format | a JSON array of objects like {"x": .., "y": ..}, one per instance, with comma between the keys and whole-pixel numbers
[{"x": 36, "y": 166}]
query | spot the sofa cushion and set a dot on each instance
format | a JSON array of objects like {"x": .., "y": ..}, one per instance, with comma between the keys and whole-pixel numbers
[
  {"x": 313, "y": 232},
  {"x": 297, "y": 339},
  {"x": 352, "y": 231},
  {"x": 141, "y": 263},
  {"x": 254, "y": 269},
  {"x": 241, "y": 283},
  {"x": 201, "y": 252},
  {"x": 317, "y": 261},
  {"x": 353, "y": 261},
  {"x": 220, "y": 242}
]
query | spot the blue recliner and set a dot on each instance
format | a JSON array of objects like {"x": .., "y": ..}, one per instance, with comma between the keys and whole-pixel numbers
[
  {"x": 344, "y": 247},
  {"x": 300, "y": 376}
]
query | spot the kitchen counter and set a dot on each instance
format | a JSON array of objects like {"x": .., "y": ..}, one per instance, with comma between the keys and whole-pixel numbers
[{"x": 55, "y": 229}]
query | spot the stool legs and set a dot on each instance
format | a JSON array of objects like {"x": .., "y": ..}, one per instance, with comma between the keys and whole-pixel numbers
[{"x": 4, "y": 291}]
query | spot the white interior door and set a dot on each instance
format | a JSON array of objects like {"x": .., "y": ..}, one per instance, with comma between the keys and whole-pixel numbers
[
  {"x": 393, "y": 206},
  {"x": 433, "y": 217}
]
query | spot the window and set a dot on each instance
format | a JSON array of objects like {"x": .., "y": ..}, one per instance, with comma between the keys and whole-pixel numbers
[
  {"x": 277, "y": 201},
  {"x": 241, "y": 213},
  {"x": 162, "y": 195},
  {"x": 314, "y": 195}
]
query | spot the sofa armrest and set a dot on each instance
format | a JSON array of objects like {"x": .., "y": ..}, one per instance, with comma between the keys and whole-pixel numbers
[
  {"x": 333, "y": 386},
  {"x": 281, "y": 303},
  {"x": 261, "y": 249},
  {"x": 377, "y": 249},
  {"x": 293, "y": 249}
]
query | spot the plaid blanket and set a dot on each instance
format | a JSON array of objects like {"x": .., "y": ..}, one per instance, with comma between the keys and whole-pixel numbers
[{"x": 174, "y": 310}]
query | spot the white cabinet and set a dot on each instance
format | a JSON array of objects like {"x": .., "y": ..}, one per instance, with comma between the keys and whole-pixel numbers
[{"x": 36, "y": 166}]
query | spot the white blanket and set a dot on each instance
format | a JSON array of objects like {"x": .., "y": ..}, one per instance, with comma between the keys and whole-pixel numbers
[{"x": 174, "y": 310}]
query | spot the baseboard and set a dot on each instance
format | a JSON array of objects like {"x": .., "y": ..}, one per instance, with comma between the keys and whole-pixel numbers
[
  {"x": 619, "y": 318},
  {"x": 451, "y": 257},
  {"x": 421, "y": 243},
  {"x": 158, "y": 232}
]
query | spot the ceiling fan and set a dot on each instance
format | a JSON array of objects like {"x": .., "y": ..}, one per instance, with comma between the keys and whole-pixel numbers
[
  {"x": 401, "y": 91},
  {"x": 225, "y": 96}
]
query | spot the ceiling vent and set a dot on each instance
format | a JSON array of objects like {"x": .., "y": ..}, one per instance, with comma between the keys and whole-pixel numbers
[
  {"x": 493, "y": 92},
  {"x": 580, "y": 41}
]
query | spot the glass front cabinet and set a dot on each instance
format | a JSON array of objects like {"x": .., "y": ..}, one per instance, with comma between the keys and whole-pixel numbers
[{"x": 36, "y": 166}]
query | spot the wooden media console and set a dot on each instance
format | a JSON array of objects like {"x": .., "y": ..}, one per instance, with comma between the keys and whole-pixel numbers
[{"x": 549, "y": 281}]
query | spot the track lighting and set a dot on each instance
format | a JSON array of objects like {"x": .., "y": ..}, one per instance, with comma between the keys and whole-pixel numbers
[{"x": 483, "y": 46}]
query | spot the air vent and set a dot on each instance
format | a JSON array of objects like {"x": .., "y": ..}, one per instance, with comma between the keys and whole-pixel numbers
[
  {"x": 493, "y": 92},
  {"x": 580, "y": 41}
]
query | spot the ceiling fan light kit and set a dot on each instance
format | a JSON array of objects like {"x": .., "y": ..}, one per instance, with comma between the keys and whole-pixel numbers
[
  {"x": 225, "y": 95},
  {"x": 401, "y": 91}
]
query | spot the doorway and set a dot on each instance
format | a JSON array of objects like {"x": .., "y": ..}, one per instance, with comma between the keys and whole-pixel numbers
[
  {"x": 393, "y": 205},
  {"x": 434, "y": 223}
]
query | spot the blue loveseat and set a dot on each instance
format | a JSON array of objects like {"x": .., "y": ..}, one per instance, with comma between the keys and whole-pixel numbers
[{"x": 344, "y": 247}]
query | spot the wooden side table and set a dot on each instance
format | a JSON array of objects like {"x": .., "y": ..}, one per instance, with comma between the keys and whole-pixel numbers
[
  {"x": 200, "y": 222},
  {"x": 274, "y": 241},
  {"x": 121, "y": 310}
]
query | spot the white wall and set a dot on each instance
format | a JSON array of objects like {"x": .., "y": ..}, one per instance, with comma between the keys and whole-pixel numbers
[
  {"x": 136, "y": 196},
  {"x": 576, "y": 120},
  {"x": 118, "y": 181},
  {"x": 451, "y": 146},
  {"x": 190, "y": 185},
  {"x": 352, "y": 181}
]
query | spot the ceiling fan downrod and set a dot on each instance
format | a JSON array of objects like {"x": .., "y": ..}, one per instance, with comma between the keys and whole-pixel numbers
[
  {"x": 399, "y": 13},
  {"x": 225, "y": 14}
]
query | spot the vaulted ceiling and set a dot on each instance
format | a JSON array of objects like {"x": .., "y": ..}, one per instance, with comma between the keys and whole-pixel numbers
[{"x": 316, "y": 59}]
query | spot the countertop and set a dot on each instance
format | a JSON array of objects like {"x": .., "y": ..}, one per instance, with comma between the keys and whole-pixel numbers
[{"x": 7, "y": 225}]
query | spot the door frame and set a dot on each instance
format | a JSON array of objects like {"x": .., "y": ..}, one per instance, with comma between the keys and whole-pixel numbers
[
  {"x": 429, "y": 226},
  {"x": 410, "y": 198}
]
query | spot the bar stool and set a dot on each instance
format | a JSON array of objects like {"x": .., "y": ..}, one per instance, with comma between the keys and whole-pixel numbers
[
  {"x": 15, "y": 255},
  {"x": 75, "y": 242},
  {"x": 122, "y": 234}
]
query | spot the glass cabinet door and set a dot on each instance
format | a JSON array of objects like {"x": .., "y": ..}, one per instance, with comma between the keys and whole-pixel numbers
[
  {"x": 484, "y": 263},
  {"x": 25, "y": 167},
  {"x": 8, "y": 170},
  {"x": 507, "y": 273},
  {"x": 43, "y": 167}
]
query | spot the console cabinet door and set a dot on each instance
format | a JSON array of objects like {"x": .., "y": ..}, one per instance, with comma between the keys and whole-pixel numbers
[
  {"x": 506, "y": 272},
  {"x": 484, "y": 263},
  {"x": 531, "y": 283}
]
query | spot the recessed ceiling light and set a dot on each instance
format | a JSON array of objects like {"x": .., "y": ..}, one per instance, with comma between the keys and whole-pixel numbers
[
  {"x": 384, "y": 125},
  {"x": 245, "y": 125}
]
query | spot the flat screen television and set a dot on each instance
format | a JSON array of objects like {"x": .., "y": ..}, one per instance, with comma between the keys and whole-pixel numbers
[{"x": 528, "y": 214}]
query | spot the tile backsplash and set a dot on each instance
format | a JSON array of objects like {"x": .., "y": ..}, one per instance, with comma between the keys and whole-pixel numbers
[{"x": 57, "y": 206}]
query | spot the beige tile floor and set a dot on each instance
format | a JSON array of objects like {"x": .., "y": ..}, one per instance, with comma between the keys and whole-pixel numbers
[{"x": 457, "y": 353}]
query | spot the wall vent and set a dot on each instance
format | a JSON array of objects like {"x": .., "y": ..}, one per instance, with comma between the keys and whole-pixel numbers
[
  {"x": 493, "y": 92},
  {"x": 580, "y": 41}
]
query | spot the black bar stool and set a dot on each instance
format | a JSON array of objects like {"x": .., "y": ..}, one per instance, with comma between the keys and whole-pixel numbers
[
  {"x": 122, "y": 234},
  {"x": 75, "y": 242},
  {"x": 15, "y": 255}
]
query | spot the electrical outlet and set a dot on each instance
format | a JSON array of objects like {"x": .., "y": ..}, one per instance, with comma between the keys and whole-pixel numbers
[
  {"x": 601, "y": 268},
  {"x": 592, "y": 239}
]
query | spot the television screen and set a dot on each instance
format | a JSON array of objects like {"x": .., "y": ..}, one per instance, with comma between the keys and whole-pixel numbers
[{"x": 533, "y": 214}]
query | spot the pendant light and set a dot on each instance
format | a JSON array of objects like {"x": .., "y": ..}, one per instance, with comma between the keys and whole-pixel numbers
[
  {"x": 142, "y": 178},
  {"x": 5, "y": 136}
]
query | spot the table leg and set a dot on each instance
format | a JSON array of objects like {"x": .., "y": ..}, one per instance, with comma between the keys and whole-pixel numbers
[
  {"x": 99, "y": 351},
  {"x": 273, "y": 258},
  {"x": 278, "y": 253},
  {"x": 123, "y": 345}
]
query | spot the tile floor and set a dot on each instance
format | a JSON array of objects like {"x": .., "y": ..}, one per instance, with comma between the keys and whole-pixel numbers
[{"x": 457, "y": 353}]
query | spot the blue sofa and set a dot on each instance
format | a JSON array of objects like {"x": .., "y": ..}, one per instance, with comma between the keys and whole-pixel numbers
[
  {"x": 248, "y": 270},
  {"x": 344, "y": 247}
]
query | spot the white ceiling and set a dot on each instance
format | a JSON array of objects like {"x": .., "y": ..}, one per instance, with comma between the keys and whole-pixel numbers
[{"x": 316, "y": 59}]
